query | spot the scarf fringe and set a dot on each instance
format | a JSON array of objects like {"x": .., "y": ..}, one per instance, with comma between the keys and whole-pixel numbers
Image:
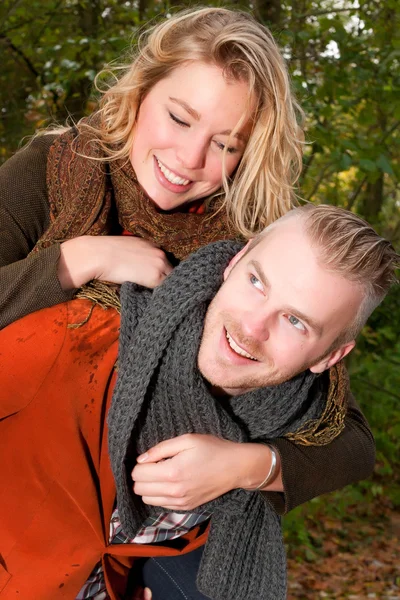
[
  {"x": 101, "y": 293},
  {"x": 160, "y": 394},
  {"x": 322, "y": 431},
  {"x": 316, "y": 432}
]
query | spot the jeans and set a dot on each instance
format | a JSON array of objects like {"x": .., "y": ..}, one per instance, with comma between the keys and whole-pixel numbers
[{"x": 173, "y": 577}]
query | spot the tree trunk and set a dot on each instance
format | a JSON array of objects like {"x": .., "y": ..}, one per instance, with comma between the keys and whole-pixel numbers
[
  {"x": 268, "y": 11},
  {"x": 373, "y": 199},
  {"x": 79, "y": 92}
]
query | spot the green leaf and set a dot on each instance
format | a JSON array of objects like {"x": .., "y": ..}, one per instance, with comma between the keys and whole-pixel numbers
[
  {"x": 349, "y": 144},
  {"x": 303, "y": 35},
  {"x": 345, "y": 161},
  {"x": 384, "y": 165},
  {"x": 367, "y": 165}
]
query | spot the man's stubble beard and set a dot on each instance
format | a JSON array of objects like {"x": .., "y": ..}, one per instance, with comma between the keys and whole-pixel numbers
[{"x": 253, "y": 347}]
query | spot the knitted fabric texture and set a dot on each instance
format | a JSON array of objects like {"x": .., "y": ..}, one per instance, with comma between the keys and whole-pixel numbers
[
  {"x": 160, "y": 394},
  {"x": 89, "y": 196}
]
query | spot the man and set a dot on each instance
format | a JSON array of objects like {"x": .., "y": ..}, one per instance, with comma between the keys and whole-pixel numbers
[
  {"x": 290, "y": 307},
  {"x": 292, "y": 302}
]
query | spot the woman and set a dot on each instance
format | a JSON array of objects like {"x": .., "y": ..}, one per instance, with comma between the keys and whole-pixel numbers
[{"x": 197, "y": 141}]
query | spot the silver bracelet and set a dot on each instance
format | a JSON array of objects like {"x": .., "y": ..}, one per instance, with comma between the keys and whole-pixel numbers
[{"x": 272, "y": 470}]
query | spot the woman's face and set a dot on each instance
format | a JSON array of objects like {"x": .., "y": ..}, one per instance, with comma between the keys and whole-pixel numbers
[{"x": 182, "y": 127}]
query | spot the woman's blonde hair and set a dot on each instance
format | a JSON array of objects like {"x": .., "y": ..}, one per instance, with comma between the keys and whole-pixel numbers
[{"x": 261, "y": 189}]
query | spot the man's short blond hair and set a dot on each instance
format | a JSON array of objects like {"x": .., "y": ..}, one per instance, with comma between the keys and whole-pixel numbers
[{"x": 348, "y": 246}]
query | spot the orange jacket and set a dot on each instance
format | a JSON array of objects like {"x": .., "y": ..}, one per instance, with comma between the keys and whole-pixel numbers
[{"x": 57, "y": 489}]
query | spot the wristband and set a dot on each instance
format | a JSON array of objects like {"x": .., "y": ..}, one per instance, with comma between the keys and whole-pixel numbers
[{"x": 272, "y": 470}]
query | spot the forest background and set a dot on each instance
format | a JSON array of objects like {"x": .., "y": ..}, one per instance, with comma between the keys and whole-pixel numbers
[{"x": 344, "y": 57}]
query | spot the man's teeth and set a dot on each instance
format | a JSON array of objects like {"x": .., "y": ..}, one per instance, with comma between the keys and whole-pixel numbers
[
  {"x": 237, "y": 348},
  {"x": 172, "y": 178}
]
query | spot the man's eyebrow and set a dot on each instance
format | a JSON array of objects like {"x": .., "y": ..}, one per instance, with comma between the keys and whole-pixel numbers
[
  {"x": 314, "y": 325},
  {"x": 256, "y": 265},
  {"x": 308, "y": 320},
  {"x": 197, "y": 117}
]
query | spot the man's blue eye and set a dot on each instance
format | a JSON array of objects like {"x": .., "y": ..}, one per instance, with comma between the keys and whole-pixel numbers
[
  {"x": 296, "y": 323},
  {"x": 256, "y": 282}
]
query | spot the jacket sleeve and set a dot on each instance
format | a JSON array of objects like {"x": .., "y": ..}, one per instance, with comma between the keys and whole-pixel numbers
[
  {"x": 26, "y": 283},
  {"x": 309, "y": 471}
]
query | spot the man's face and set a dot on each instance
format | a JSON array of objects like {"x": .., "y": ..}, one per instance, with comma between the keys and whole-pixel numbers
[{"x": 277, "y": 313}]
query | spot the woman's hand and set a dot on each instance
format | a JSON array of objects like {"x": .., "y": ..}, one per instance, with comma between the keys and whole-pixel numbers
[
  {"x": 192, "y": 469},
  {"x": 111, "y": 258},
  {"x": 142, "y": 594}
]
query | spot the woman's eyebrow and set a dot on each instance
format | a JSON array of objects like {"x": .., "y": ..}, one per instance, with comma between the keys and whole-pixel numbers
[
  {"x": 186, "y": 107},
  {"x": 189, "y": 109},
  {"x": 237, "y": 135}
]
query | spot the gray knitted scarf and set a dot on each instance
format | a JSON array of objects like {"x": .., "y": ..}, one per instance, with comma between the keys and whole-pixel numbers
[{"x": 160, "y": 394}]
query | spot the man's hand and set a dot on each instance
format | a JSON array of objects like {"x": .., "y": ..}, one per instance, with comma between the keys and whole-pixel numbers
[{"x": 192, "y": 469}]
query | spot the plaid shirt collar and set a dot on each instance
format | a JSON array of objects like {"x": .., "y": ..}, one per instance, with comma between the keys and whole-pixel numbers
[{"x": 167, "y": 526}]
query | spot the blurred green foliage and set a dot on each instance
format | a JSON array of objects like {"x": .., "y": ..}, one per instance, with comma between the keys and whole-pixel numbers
[{"x": 344, "y": 58}]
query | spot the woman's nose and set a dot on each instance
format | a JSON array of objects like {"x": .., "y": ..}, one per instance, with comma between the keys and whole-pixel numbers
[{"x": 192, "y": 155}]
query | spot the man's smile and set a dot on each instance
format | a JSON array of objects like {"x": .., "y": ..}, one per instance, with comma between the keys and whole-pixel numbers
[{"x": 236, "y": 348}]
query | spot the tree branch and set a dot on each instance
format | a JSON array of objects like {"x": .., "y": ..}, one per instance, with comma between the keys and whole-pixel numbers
[
  {"x": 392, "y": 361},
  {"x": 50, "y": 16},
  {"x": 356, "y": 193},
  {"x": 375, "y": 387},
  {"x": 390, "y": 131},
  {"x": 307, "y": 165},
  {"x": 319, "y": 13},
  {"x": 24, "y": 58},
  {"x": 21, "y": 23},
  {"x": 318, "y": 182},
  {"x": 11, "y": 9}
]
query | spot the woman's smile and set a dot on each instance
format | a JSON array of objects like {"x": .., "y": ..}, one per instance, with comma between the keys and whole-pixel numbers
[
  {"x": 182, "y": 130},
  {"x": 171, "y": 180}
]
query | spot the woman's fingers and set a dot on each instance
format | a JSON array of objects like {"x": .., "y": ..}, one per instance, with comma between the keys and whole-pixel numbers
[
  {"x": 112, "y": 258},
  {"x": 142, "y": 594}
]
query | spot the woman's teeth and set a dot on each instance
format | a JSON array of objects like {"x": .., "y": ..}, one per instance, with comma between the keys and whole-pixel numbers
[
  {"x": 237, "y": 348},
  {"x": 172, "y": 178}
]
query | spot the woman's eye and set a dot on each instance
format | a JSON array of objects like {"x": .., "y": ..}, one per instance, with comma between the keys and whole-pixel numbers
[
  {"x": 256, "y": 282},
  {"x": 296, "y": 323},
  {"x": 178, "y": 121},
  {"x": 229, "y": 150}
]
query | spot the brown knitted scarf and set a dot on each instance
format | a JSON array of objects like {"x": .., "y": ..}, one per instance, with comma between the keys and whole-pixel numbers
[{"x": 88, "y": 196}]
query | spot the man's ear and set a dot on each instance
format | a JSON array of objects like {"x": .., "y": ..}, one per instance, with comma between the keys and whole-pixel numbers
[
  {"x": 333, "y": 357},
  {"x": 235, "y": 260}
]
